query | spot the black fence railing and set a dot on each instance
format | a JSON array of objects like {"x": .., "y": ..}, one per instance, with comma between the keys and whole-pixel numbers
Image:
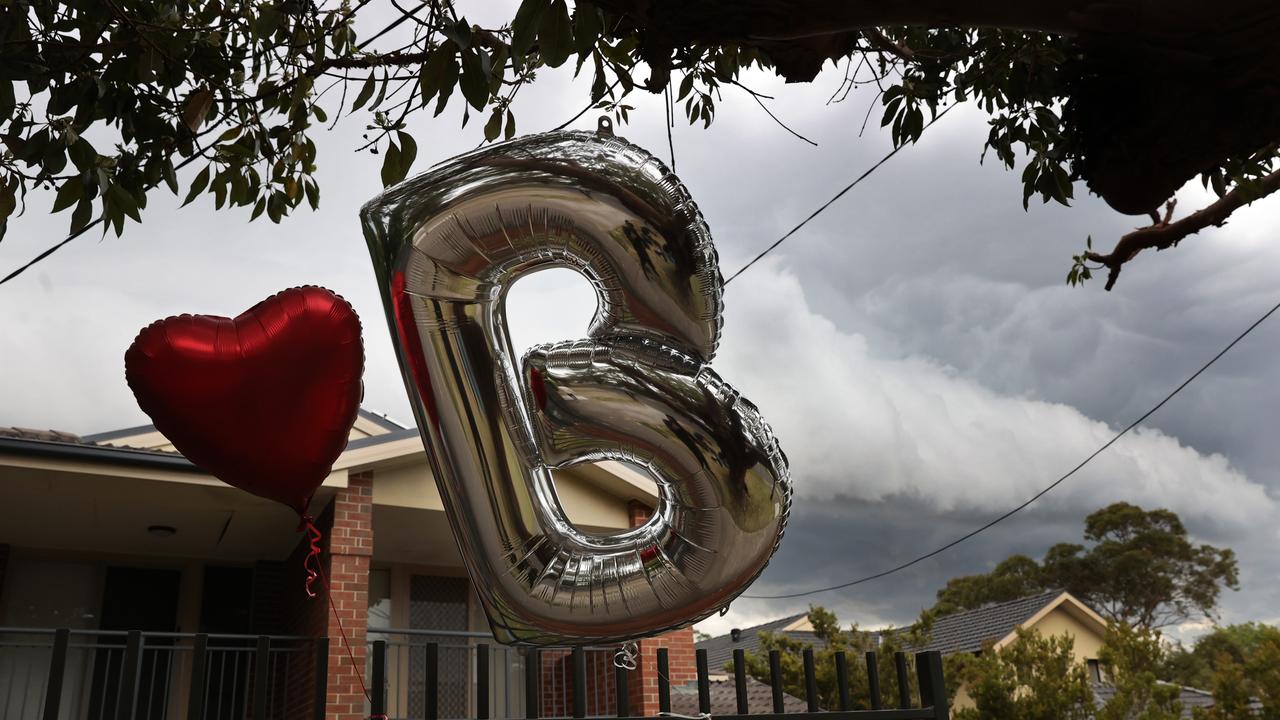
[
  {"x": 461, "y": 657},
  {"x": 104, "y": 675},
  {"x": 117, "y": 675},
  {"x": 427, "y": 687}
]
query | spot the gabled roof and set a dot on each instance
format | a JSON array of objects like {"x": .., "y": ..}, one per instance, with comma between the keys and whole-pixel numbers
[
  {"x": 967, "y": 631},
  {"x": 720, "y": 649},
  {"x": 970, "y": 630}
]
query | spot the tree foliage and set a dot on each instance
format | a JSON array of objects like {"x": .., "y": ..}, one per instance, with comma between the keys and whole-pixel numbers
[
  {"x": 1240, "y": 664},
  {"x": 1137, "y": 567},
  {"x": 104, "y": 101},
  {"x": 854, "y": 643},
  {"x": 1032, "y": 678},
  {"x": 1133, "y": 658}
]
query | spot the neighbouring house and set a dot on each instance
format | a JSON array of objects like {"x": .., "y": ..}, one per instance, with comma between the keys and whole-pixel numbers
[
  {"x": 116, "y": 536},
  {"x": 973, "y": 631}
]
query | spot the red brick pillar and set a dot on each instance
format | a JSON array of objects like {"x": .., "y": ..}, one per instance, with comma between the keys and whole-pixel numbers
[
  {"x": 642, "y": 685},
  {"x": 350, "y": 549}
]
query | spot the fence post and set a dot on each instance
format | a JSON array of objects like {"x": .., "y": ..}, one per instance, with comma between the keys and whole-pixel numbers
[
  {"x": 621, "y": 691},
  {"x": 579, "y": 682},
  {"x": 432, "y": 682},
  {"x": 842, "y": 680},
  {"x": 532, "y": 683},
  {"x": 482, "y": 681},
  {"x": 129, "y": 674},
  {"x": 664, "y": 680},
  {"x": 740, "y": 680},
  {"x": 199, "y": 659},
  {"x": 810, "y": 681},
  {"x": 929, "y": 670},
  {"x": 873, "y": 680},
  {"x": 378, "y": 679},
  {"x": 261, "y": 674},
  {"x": 320, "y": 689},
  {"x": 57, "y": 668},
  {"x": 704, "y": 682},
  {"x": 904, "y": 680},
  {"x": 775, "y": 680}
]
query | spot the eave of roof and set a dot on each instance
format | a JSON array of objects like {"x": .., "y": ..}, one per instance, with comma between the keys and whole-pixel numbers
[{"x": 97, "y": 453}]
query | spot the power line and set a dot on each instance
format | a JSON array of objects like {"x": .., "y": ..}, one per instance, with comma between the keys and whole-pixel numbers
[
  {"x": 1038, "y": 495},
  {"x": 834, "y": 198}
]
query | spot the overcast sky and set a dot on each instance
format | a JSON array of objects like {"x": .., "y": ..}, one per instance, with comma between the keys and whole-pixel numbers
[{"x": 914, "y": 348}]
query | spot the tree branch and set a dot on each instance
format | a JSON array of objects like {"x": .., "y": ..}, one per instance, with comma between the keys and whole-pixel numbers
[{"x": 1166, "y": 234}]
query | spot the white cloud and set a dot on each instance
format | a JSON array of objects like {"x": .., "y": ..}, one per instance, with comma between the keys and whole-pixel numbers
[{"x": 868, "y": 428}]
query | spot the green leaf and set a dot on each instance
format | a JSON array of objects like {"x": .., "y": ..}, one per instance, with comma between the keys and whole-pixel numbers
[
  {"x": 475, "y": 83},
  {"x": 436, "y": 70},
  {"x": 8, "y": 200},
  {"x": 391, "y": 173},
  {"x": 555, "y": 34},
  {"x": 196, "y": 108},
  {"x": 170, "y": 176},
  {"x": 80, "y": 216},
  {"x": 524, "y": 28},
  {"x": 124, "y": 200},
  {"x": 197, "y": 186},
  {"x": 510, "y": 132},
  {"x": 69, "y": 194},
  {"x": 586, "y": 28},
  {"x": 408, "y": 152},
  {"x": 366, "y": 92},
  {"x": 313, "y": 193},
  {"x": 319, "y": 113},
  {"x": 494, "y": 127}
]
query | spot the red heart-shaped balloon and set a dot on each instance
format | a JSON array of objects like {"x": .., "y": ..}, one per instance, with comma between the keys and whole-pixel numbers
[{"x": 264, "y": 401}]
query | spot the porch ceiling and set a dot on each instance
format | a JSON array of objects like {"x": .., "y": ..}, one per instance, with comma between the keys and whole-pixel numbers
[{"x": 60, "y": 510}]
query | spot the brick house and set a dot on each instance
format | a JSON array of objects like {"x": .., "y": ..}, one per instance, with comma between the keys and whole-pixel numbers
[{"x": 116, "y": 532}]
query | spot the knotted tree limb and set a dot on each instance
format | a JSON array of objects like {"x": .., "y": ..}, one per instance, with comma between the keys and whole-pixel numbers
[{"x": 1165, "y": 234}]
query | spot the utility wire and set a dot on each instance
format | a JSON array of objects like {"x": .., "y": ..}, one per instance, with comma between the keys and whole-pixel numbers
[
  {"x": 836, "y": 197},
  {"x": 1037, "y": 496}
]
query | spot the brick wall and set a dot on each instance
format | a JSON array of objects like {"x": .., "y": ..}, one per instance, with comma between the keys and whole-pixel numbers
[
  {"x": 350, "y": 550},
  {"x": 642, "y": 686},
  {"x": 557, "y": 683},
  {"x": 347, "y": 548}
]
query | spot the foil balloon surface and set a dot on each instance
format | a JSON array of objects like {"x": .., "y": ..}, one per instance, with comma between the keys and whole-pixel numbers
[{"x": 447, "y": 246}]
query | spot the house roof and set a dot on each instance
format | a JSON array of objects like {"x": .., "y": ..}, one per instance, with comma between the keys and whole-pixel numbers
[
  {"x": 100, "y": 446},
  {"x": 720, "y": 649},
  {"x": 969, "y": 630},
  {"x": 1191, "y": 698},
  {"x": 724, "y": 699}
]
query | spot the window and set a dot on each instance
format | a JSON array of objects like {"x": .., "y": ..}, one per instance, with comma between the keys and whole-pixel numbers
[
  {"x": 440, "y": 603},
  {"x": 380, "y": 598}
]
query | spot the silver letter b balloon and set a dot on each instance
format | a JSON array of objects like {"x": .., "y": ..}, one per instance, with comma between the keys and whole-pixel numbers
[{"x": 447, "y": 245}]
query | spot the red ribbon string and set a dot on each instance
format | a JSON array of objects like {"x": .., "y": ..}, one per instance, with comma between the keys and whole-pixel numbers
[
  {"x": 315, "y": 569},
  {"x": 312, "y": 561}
]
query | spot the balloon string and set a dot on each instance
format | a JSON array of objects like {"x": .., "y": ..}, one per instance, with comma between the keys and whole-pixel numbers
[
  {"x": 316, "y": 569},
  {"x": 312, "y": 561}
]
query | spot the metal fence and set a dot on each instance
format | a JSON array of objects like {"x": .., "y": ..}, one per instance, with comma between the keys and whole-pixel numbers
[
  {"x": 497, "y": 690},
  {"x": 453, "y": 662},
  {"x": 105, "y": 675},
  {"x": 419, "y": 675}
]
